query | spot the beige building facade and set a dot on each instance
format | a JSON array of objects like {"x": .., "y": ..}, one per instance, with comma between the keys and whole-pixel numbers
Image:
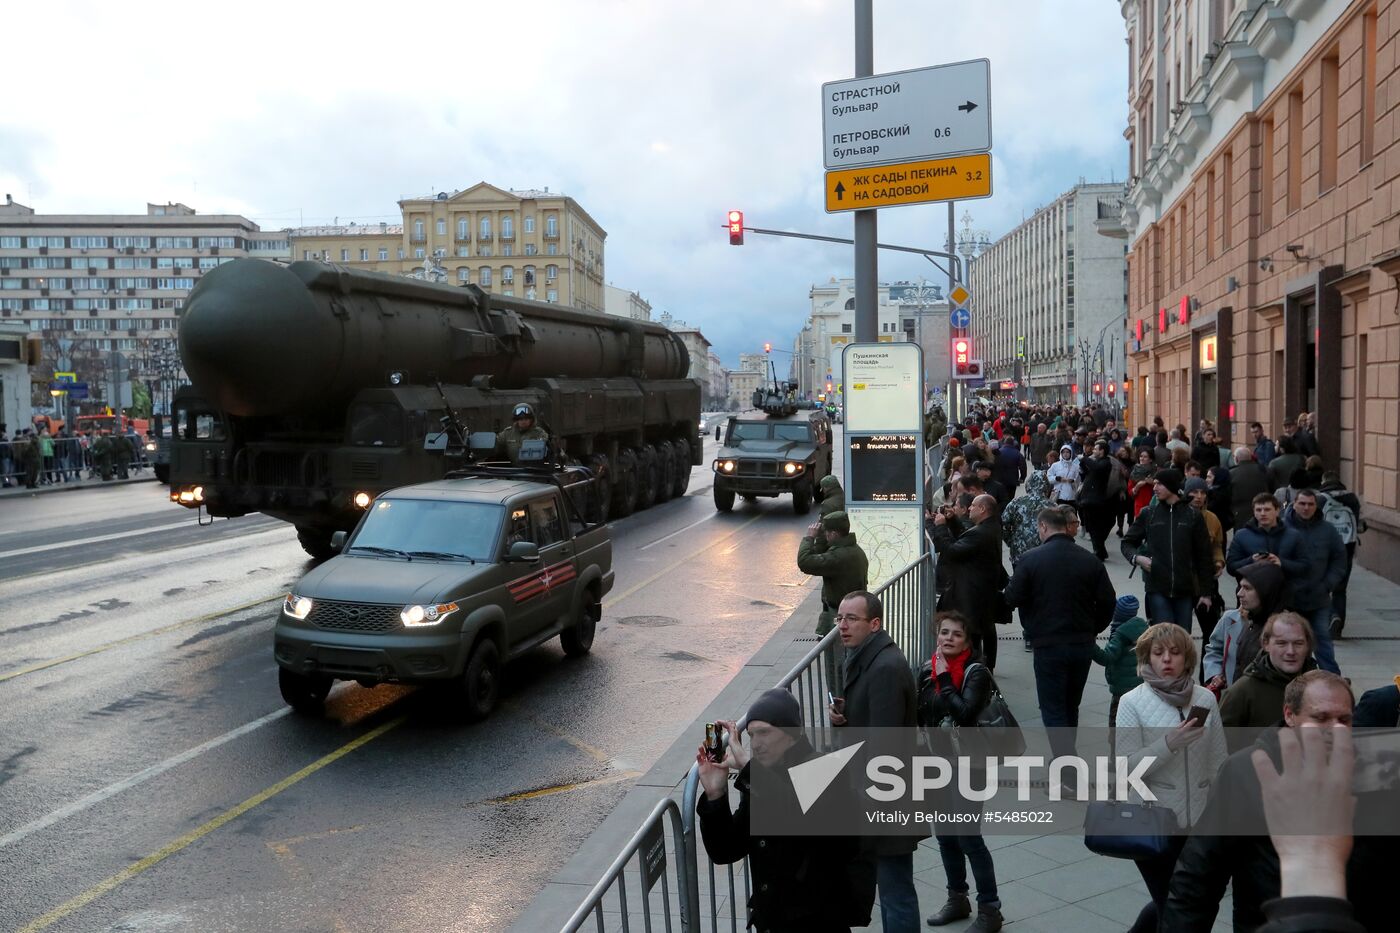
[
  {"x": 93, "y": 284},
  {"x": 742, "y": 383},
  {"x": 1263, "y": 222},
  {"x": 528, "y": 244}
]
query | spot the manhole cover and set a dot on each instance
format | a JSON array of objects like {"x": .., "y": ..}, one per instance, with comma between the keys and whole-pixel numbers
[{"x": 649, "y": 621}]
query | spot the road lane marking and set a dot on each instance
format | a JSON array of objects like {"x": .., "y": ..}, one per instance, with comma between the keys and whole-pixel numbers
[
  {"x": 194, "y": 835},
  {"x": 111, "y": 790},
  {"x": 674, "y": 533},
  {"x": 613, "y": 601},
  {"x": 45, "y": 665},
  {"x": 97, "y": 539}
]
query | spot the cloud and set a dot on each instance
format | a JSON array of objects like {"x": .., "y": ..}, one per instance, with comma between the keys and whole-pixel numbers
[{"x": 657, "y": 117}]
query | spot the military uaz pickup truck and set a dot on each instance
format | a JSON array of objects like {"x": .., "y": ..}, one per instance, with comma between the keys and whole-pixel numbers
[
  {"x": 768, "y": 456},
  {"x": 442, "y": 582}
]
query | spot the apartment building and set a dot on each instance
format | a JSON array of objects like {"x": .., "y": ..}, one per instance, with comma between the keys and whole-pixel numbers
[
  {"x": 528, "y": 244},
  {"x": 1263, "y": 230},
  {"x": 96, "y": 283},
  {"x": 1049, "y": 302}
]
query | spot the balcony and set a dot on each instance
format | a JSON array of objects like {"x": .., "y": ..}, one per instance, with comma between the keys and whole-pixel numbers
[
  {"x": 507, "y": 234},
  {"x": 551, "y": 234},
  {"x": 484, "y": 237},
  {"x": 1109, "y": 221}
]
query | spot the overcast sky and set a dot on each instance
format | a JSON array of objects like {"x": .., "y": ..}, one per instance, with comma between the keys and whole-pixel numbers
[{"x": 657, "y": 117}]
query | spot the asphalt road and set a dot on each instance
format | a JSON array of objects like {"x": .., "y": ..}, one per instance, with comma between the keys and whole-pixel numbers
[{"x": 151, "y": 778}]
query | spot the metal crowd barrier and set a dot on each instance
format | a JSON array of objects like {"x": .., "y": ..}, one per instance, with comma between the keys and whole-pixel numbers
[
  {"x": 709, "y": 898},
  {"x": 71, "y": 461}
]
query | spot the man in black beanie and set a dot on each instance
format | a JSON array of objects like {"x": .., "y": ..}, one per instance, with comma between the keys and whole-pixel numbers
[
  {"x": 1170, "y": 542},
  {"x": 800, "y": 883}
]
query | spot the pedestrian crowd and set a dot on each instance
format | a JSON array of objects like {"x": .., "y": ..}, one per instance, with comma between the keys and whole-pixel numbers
[
  {"x": 34, "y": 457},
  {"x": 1217, "y": 716}
]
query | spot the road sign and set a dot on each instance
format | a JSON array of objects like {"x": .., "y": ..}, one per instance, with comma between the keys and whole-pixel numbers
[
  {"x": 960, "y": 317},
  {"x": 964, "y": 178},
  {"x": 65, "y": 377},
  {"x": 960, "y": 296},
  {"x": 78, "y": 390},
  {"x": 59, "y": 387},
  {"x": 907, "y": 116}
]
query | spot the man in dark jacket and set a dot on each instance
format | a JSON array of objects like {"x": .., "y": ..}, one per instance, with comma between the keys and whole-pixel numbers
[
  {"x": 1264, "y": 450},
  {"x": 1255, "y": 700},
  {"x": 1042, "y": 442},
  {"x": 1267, "y": 538},
  {"x": 1206, "y": 452},
  {"x": 1231, "y": 845},
  {"x": 1009, "y": 466},
  {"x": 1333, "y": 488},
  {"x": 1326, "y": 560},
  {"x": 975, "y": 574},
  {"x": 830, "y": 551},
  {"x": 1282, "y": 466},
  {"x": 800, "y": 882},
  {"x": 1066, "y": 600},
  {"x": 1095, "y": 506},
  {"x": 1247, "y": 480},
  {"x": 880, "y": 693},
  {"x": 1170, "y": 542},
  {"x": 985, "y": 472}
]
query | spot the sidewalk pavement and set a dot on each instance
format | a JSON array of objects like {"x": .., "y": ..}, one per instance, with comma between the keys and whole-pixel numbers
[
  {"x": 18, "y": 489},
  {"x": 1048, "y": 882}
]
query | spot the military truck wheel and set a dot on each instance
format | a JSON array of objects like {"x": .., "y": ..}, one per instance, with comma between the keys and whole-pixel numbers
[
  {"x": 724, "y": 498},
  {"x": 682, "y": 468},
  {"x": 305, "y": 693},
  {"x": 577, "y": 639},
  {"x": 162, "y": 471},
  {"x": 315, "y": 542},
  {"x": 802, "y": 498},
  {"x": 481, "y": 681},
  {"x": 624, "y": 486},
  {"x": 646, "y": 477},
  {"x": 665, "y": 471}
]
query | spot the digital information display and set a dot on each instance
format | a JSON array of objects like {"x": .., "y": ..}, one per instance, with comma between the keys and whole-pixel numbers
[{"x": 884, "y": 468}]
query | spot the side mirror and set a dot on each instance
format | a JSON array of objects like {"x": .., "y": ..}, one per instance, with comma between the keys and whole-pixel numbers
[
  {"x": 435, "y": 441},
  {"x": 482, "y": 441},
  {"x": 524, "y": 552},
  {"x": 338, "y": 540}
]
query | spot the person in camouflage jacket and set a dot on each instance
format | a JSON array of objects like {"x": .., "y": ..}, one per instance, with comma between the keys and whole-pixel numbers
[{"x": 1018, "y": 522}]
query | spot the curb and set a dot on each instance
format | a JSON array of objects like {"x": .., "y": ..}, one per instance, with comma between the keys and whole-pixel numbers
[{"x": 73, "y": 487}]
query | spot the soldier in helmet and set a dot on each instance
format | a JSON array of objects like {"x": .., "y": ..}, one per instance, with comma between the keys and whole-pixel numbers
[{"x": 523, "y": 428}]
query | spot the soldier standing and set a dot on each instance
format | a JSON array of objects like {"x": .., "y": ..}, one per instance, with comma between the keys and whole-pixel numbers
[
  {"x": 121, "y": 453},
  {"x": 522, "y": 429},
  {"x": 833, "y": 497},
  {"x": 830, "y": 551},
  {"x": 102, "y": 455}
]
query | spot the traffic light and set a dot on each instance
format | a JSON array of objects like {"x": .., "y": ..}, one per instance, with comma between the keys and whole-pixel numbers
[
  {"x": 1112, "y": 387},
  {"x": 964, "y": 366},
  {"x": 736, "y": 228},
  {"x": 1073, "y": 389},
  {"x": 1098, "y": 388}
]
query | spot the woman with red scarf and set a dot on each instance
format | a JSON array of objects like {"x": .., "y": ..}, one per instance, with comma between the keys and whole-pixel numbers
[{"x": 955, "y": 685}]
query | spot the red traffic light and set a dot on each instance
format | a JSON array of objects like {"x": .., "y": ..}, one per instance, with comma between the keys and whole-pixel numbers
[
  {"x": 1097, "y": 388},
  {"x": 736, "y": 228},
  {"x": 1112, "y": 387},
  {"x": 963, "y": 364},
  {"x": 1074, "y": 388}
]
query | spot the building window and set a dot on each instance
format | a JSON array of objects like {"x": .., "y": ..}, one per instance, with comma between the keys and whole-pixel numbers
[
  {"x": 529, "y": 275},
  {"x": 484, "y": 228},
  {"x": 551, "y": 295},
  {"x": 551, "y": 272},
  {"x": 383, "y": 253},
  {"x": 846, "y": 328},
  {"x": 1368, "y": 86},
  {"x": 463, "y": 252},
  {"x": 464, "y": 275},
  {"x": 1328, "y": 126},
  {"x": 463, "y": 228},
  {"x": 418, "y": 253},
  {"x": 441, "y": 227},
  {"x": 531, "y": 249},
  {"x": 208, "y": 262},
  {"x": 1295, "y": 150},
  {"x": 344, "y": 255},
  {"x": 400, "y": 252},
  {"x": 507, "y": 249},
  {"x": 551, "y": 249},
  {"x": 507, "y": 275},
  {"x": 364, "y": 255},
  {"x": 507, "y": 227},
  {"x": 484, "y": 252},
  {"x": 551, "y": 225},
  {"x": 306, "y": 254},
  {"x": 9, "y": 242},
  {"x": 530, "y": 219},
  {"x": 485, "y": 277},
  {"x": 1266, "y": 172},
  {"x": 1227, "y": 198},
  {"x": 509, "y": 292}
]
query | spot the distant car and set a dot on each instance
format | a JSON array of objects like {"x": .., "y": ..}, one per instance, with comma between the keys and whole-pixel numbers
[
  {"x": 443, "y": 582},
  {"x": 704, "y": 428}
]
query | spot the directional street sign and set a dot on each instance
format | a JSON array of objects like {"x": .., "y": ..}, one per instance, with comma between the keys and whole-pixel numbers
[
  {"x": 960, "y": 317},
  {"x": 964, "y": 178},
  {"x": 77, "y": 390},
  {"x": 907, "y": 116}
]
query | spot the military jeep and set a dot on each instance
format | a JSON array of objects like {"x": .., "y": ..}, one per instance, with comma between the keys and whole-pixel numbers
[{"x": 767, "y": 456}]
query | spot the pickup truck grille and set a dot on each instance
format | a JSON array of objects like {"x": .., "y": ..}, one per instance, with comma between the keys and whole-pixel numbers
[
  {"x": 354, "y": 617},
  {"x": 761, "y": 468}
]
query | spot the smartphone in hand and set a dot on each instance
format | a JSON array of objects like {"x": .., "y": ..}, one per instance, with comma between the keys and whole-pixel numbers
[
  {"x": 713, "y": 749},
  {"x": 1198, "y": 715}
]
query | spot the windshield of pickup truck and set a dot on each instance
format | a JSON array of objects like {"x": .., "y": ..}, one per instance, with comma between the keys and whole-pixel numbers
[
  {"x": 756, "y": 431},
  {"x": 431, "y": 527}
]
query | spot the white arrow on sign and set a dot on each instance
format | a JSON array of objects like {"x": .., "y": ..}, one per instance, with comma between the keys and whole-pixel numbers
[{"x": 906, "y": 116}]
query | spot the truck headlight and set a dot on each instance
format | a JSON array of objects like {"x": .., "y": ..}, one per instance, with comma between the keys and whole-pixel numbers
[
  {"x": 791, "y": 468},
  {"x": 362, "y": 500},
  {"x": 725, "y": 466},
  {"x": 413, "y": 616},
  {"x": 298, "y": 607},
  {"x": 150, "y": 446}
]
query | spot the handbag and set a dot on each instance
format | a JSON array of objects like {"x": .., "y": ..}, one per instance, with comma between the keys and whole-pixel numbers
[
  {"x": 997, "y": 733},
  {"x": 1128, "y": 830}
]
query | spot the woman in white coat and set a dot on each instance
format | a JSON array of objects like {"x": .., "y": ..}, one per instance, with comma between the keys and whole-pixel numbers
[{"x": 1155, "y": 720}]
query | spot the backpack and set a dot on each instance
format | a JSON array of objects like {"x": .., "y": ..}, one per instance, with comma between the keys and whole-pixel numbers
[{"x": 1339, "y": 517}]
